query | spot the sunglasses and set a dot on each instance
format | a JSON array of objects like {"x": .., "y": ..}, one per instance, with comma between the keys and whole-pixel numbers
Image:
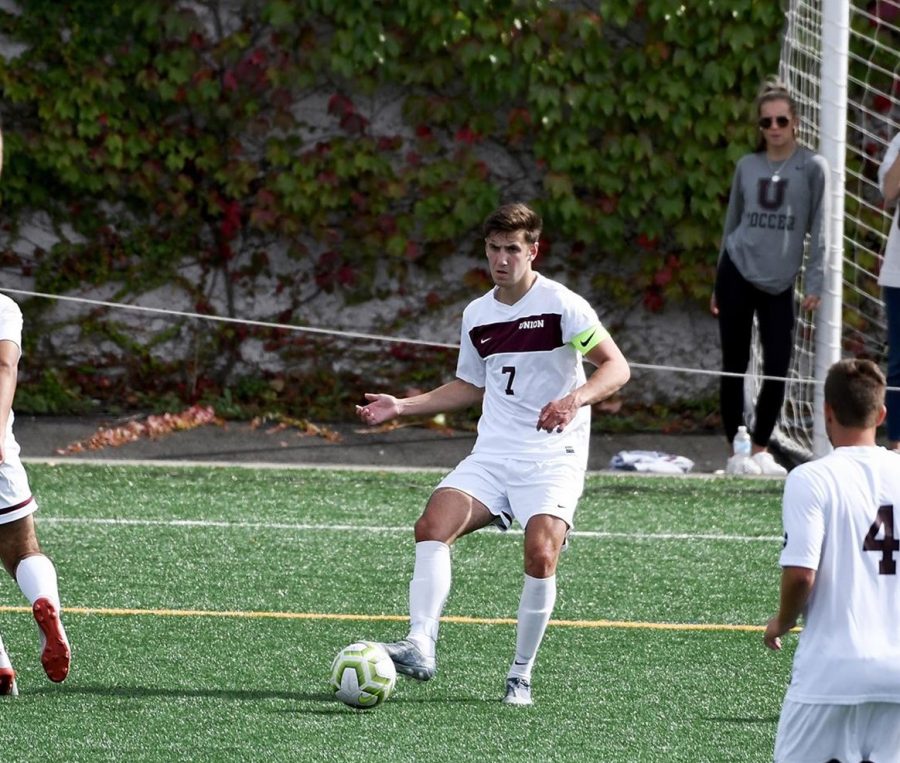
[{"x": 766, "y": 122}]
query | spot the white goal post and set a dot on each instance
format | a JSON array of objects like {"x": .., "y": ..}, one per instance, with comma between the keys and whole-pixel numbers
[{"x": 841, "y": 61}]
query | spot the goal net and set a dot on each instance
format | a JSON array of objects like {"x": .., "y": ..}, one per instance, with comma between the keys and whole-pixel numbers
[{"x": 869, "y": 91}]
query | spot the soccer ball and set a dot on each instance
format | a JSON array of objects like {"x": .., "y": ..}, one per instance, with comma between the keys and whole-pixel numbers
[{"x": 363, "y": 675}]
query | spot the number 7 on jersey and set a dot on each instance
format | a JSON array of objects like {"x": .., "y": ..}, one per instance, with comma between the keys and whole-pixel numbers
[{"x": 511, "y": 370}]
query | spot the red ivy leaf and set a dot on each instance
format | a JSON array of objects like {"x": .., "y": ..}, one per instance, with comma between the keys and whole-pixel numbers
[
  {"x": 229, "y": 81},
  {"x": 881, "y": 104},
  {"x": 653, "y": 300},
  {"x": 340, "y": 105}
]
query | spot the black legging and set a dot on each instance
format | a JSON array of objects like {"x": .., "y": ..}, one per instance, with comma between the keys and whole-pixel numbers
[{"x": 737, "y": 300}]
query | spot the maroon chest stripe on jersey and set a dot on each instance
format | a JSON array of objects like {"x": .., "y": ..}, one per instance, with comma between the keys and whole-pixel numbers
[{"x": 531, "y": 333}]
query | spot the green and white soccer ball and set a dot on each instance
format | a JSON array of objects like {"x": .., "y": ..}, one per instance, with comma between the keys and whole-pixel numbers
[{"x": 363, "y": 675}]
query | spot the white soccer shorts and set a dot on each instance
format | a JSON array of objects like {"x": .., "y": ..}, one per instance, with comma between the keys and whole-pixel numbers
[
  {"x": 810, "y": 733},
  {"x": 16, "y": 500},
  {"x": 515, "y": 489}
]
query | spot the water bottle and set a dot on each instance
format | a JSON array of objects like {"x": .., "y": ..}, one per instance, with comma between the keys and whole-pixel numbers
[{"x": 742, "y": 445}]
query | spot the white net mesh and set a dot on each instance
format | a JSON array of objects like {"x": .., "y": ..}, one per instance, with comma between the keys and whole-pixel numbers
[{"x": 873, "y": 114}]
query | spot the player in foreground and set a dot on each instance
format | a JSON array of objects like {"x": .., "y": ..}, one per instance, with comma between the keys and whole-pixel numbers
[
  {"x": 19, "y": 550},
  {"x": 840, "y": 571},
  {"x": 520, "y": 357}
]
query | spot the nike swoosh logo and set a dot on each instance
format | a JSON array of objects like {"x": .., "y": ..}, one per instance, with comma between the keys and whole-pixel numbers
[
  {"x": 488, "y": 339},
  {"x": 587, "y": 341},
  {"x": 516, "y": 662}
]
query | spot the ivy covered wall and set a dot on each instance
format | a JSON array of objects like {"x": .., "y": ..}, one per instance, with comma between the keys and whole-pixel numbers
[{"x": 252, "y": 159}]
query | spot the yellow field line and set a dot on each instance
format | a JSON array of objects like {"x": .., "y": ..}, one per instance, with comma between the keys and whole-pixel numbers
[{"x": 460, "y": 619}]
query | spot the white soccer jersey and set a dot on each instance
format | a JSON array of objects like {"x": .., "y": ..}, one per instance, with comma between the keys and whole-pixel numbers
[
  {"x": 10, "y": 321},
  {"x": 525, "y": 356},
  {"x": 839, "y": 519}
]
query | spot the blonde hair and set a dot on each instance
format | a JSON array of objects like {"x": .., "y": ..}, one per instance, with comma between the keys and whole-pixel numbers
[{"x": 773, "y": 89}]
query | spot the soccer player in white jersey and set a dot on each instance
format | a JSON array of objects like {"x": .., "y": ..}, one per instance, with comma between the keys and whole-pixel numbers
[
  {"x": 839, "y": 570},
  {"x": 521, "y": 354},
  {"x": 19, "y": 550}
]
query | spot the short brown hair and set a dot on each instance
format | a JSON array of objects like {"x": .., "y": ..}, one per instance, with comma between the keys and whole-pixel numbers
[
  {"x": 511, "y": 218},
  {"x": 855, "y": 391}
]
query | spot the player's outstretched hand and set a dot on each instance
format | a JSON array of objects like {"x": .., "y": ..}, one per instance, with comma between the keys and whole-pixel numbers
[
  {"x": 556, "y": 415},
  {"x": 381, "y": 408}
]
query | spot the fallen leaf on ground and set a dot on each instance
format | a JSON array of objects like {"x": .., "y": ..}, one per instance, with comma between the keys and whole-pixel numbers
[{"x": 153, "y": 427}]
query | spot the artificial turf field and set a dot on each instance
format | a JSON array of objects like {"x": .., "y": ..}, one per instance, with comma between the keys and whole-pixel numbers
[{"x": 204, "y": 607}]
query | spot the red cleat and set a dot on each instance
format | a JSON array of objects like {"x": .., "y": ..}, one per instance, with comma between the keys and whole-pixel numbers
[
  {"x": 8, "y": 682},
  {"x": 55, "y": 652}
]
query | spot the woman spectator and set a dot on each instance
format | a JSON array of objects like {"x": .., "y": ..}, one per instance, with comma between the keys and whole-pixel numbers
[{"x": 778, "y": 198}]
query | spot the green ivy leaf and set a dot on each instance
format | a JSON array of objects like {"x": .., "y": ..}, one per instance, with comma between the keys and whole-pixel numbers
[{"x": 279, "y": 13}]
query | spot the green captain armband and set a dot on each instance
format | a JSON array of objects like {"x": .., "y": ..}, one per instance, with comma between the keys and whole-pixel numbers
[{"x": 588, "y": 339}]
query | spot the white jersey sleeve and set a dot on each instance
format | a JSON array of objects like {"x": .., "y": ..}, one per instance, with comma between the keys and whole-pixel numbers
[
  {"x": 470, "y": 365},
  {"x": 804, "y": 522},
  {"x": 10, "y": 321},
  {"x": 579, "y": 320}
]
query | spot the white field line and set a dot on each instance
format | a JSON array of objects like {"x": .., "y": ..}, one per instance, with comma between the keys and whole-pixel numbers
[
  {"x": 375, "y": 468},
  {"x": 386, "y": 529},
  {"x": 181, "y": 463}
]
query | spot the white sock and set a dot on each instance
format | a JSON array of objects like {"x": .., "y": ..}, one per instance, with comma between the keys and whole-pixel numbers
[
  {"x": 4, "y": 657},
  {"x": 535, "y": 607},
  {"x": 36, "y": 576},
  {"x": 428, "y": 591}
]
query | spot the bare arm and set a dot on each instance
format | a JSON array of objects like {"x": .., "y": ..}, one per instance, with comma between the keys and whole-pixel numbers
[
  {"x": 9, "y": 368},
  {"x": 449, "y": 397},
  {"x": 612, "y": 373},
  {"x": 796, "y": 586}
]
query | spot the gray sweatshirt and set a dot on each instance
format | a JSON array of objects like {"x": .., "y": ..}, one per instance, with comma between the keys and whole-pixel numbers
[{"x": 767, "y": 221}]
